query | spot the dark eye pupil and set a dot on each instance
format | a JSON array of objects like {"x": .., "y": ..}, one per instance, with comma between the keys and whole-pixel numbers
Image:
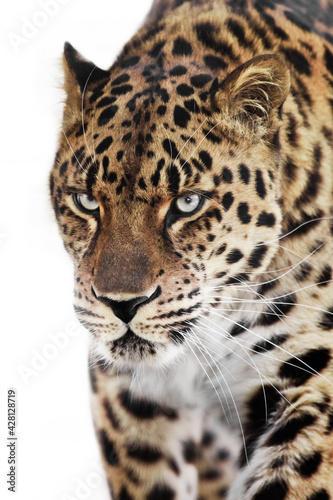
[{"x": 188, "y": 200}]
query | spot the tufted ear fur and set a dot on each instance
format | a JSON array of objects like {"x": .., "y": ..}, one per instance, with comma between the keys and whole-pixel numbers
[
  {"x": 252, "y": 91},
  {"x": 78, "y": 74}
]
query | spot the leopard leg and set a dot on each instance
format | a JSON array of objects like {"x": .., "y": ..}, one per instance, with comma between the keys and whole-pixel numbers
[
  {"x": 217, "y": 458},
  {"x": 291, "y": 456},
  {"x": 148, "y": 448}
]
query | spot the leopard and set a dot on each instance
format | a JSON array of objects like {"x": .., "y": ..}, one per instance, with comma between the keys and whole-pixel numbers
[{"x": 193, "y": 190}]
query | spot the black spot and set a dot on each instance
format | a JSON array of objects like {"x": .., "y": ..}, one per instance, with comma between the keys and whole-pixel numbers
[
  {"x": 277, "y": 31},
  {"x": 205, "y": 33},
  {"x": 123, "y": 89},
  {"x": 257, "y": 256},
  {"x": 112, "y": 177},
  {"x": 288, "y": 431},
  {"x": 107, "y": 115},
  {"x": 155, "y": 51},
  {"x": 139, "y": 150},
  {"x": 108, "y": 449},
  {"x": 214, "y": 63},
  {"x": 192, "y": 106},
  {"x": 181, "y": 116},
  {"x": 63, "y": 168},
  {"x": 309, "y": 465},
  {"x": 142, "y": 184},
  {"x": 197, "y": 165},
  {"x": 300, "y": 369},
  {"x": 217, "y": 180},
  {"x": 113, "y": 419},
  {"x": 131, "y": 61},
  {"x": 210, "y": 474},
  {"x": 207, "y": 439},
  {"x": 261, "y": 407},
  {"x": 243, "y": 213},
  {"x": 276, "y": 489},
  {"x": 173, "y": 179},
  {"x": 104, "y": 145},
  {"x": 127, "y": 137},
  {"x": 161, "y": 492},
  {"x": 266, "y": 219},
  {"x": 325, "y": 276},
  {"x": 124, "y": 495},
  {"x": 290, "y": 169},
  {"x": 210, "y": 136},
  {"x": 260, "y": 185},
  {"x": 239, "y": 328},
  {"x": 227, "y": 200},
  {"x": 217, "y": 214},
  {"x": 124, "y": 78},
  {"x": 178, "y": 3},
  {"x": 190, "y": 451},
  {"x": 329, "y": 60},
  {"x": 185, "y": 90},
  {"x": 144, "y": 409},
  {"x": 78, "y": 156},
  {"x": 292, "y": 130},
  {"x": 181, "y": 47},
  {"x": 206, "y": 159},
  {"x": 227, "y": 175},
  {"x": 234, "y": 256},
  {"x": 298, "y": 60},
  {"x": 106, "y": 101},
  {"x": 170, "y": 148},
  {"x": 200, "y": 81},
  {"x": 319, "y": 495},
  {"x": 238, "y": 31},
  {"x": 178, "y": 71},
  {"x": 306, "y": 224},
  {"x": 221, "y": 250},
  {"x": 92, "y": 176},
  {"x": 277, "y": 309},
  {"x": 314, "y": 180},
  {"x": 270, "y": 344},
  {"x": 161, "y": 110},
  {"x": 303, "y": 271},
  {"x": 244, "y": 173},
  {"x": 120, "y": 155},
  {"x": 144, "y": 453}
]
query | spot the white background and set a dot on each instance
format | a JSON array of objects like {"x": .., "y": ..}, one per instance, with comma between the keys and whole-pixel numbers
[{"x": 57, "y": 455}]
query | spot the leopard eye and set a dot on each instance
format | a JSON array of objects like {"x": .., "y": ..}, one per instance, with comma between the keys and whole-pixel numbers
[
  {"x": 189, "y": 203},
  {"x": 87, "y": 203}
]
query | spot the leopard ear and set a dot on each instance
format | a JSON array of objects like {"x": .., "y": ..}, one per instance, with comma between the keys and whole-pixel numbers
[
  {"x": 78, "y": 74},
  {"x": 252, "y": 91}
]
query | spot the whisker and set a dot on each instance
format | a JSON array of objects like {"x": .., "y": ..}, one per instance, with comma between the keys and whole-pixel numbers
[
  {"x": 237, "y": 413},
  {"x": 272, "y": 343},
  {"x": 297, "y": 228},
  {"x": 201, "y": 124}
]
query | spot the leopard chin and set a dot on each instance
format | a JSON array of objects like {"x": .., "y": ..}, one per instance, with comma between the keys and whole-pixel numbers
[{"x": 131, "y": 351}]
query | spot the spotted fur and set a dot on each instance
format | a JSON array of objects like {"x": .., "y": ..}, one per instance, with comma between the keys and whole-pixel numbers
[{"x": 211, "y": 359}]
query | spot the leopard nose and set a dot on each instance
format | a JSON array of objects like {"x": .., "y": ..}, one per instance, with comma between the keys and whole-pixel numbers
[{"x": 127, "y": 309}]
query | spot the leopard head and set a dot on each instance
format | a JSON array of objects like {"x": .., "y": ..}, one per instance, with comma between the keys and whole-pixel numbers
[{"x": 165, "y": 187}]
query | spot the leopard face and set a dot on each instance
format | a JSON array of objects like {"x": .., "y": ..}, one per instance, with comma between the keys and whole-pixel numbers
[{"x": 166, "y": 192}]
